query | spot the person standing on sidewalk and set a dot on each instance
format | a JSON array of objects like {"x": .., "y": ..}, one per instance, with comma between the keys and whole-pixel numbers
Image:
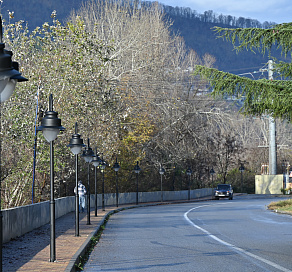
[{"x": 81, "y": 193}]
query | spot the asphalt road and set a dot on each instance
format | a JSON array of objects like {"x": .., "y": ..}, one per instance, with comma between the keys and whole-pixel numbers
[{"x": 238, "y": 235}]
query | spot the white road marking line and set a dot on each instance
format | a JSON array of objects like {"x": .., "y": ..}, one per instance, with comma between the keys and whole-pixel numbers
[{"x": 281, "y": 268}]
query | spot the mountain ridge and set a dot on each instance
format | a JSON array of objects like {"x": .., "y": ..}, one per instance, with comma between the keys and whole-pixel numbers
[{"x": 195, "y": 28}]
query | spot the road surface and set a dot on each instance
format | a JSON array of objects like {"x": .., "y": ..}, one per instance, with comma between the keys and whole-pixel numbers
[{"x": 238, "y": 235}]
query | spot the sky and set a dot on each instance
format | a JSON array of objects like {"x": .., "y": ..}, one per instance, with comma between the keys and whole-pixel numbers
[{"x": 278, "y": 11}]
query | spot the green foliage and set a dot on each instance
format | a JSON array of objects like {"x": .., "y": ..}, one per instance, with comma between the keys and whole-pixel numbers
[
  {"x": 260, "y": 39},
  {"x": 262, "y": 96},
  {"x": 234, "y": 178}
]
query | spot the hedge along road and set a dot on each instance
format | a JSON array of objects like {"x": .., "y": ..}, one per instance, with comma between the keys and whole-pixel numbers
[{"x": 238, "y": 235}]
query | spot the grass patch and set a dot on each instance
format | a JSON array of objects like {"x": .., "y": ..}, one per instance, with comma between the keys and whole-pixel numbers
[{"x": 283, "y": 206}]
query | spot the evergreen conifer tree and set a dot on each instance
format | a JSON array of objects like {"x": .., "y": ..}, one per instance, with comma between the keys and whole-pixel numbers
[{"x": 261, "y": 96}]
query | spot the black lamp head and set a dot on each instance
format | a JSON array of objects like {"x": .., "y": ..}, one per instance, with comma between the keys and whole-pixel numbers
[
  {"x": 161, "y": 171},
  {"x": 76, "y": 143},
  {"x": 116, "y": 165},
  {"x": 96, "y": 160},
  {"x": 50, "y": 124},
  {"x": 137, "y": 168},
  {"x": 88, "y": 152},
  {"x": 189, "y": 171}
]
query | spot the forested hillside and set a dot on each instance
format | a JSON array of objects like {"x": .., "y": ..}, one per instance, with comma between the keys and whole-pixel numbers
[
  {"x": 199, "y": 36},
  {"x": 195, "y": 28}
]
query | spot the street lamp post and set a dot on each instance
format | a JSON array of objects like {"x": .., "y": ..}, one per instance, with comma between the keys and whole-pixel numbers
[
  {"x": 116, "y": 167},
  {"x": 76, "y": 144},
  {"x": 65, "y": 187},
  {"x": 284, "y": 171},
  {"x": 241, "y": 169},
  {"x": 137, "y": 170},
  {"x": 161, "y": 172},
  {"x": 87, "y": 155},
  {"x": 102, "y": 167},
  {"x": 212, "y": 172},
  {"x": 51, "y": 126},
  {"x": 283, "y": 166},
  {"x": 95, "y": 161},
  {"x": 189, "y": 173},
  {"x": 9, "y": 76}
]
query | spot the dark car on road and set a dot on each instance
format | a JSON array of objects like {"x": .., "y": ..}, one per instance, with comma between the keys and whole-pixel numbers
[{"x": 223, "y": 190}]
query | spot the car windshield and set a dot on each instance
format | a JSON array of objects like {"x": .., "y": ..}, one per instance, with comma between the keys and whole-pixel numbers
[{"x": 223, "y": 187}]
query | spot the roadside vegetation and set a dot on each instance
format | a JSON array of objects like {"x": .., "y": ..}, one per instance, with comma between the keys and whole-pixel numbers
[{"x": 282, "y": 206}]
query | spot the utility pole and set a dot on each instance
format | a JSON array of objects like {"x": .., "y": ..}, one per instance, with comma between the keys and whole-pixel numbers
[{"x": 272, "y": 133}]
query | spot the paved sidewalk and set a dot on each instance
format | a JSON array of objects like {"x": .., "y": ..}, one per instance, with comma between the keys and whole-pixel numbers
[{"x": 31, "y": 252}]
